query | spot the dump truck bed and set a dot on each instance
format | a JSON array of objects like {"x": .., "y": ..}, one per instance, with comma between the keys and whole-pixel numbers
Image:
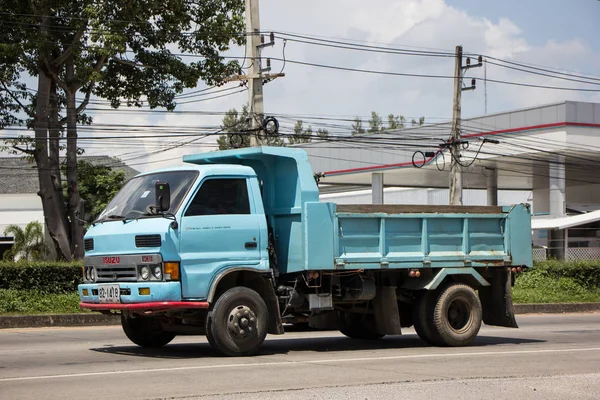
[{"x": 415, "y": 236}]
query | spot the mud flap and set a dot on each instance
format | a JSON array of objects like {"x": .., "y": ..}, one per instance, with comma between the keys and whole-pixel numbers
[
  {"x": 496, "y": 299},
  {"x": 387, "y": 315},
  {"x": 275, "y": 324}
]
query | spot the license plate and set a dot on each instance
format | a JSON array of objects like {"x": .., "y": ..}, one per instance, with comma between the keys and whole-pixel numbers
[{"x": 109, "y": 293}]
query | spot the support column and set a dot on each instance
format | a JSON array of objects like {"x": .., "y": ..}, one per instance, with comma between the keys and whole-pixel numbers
[
  {"x": 558, "y": 207},
  {"x": 377, "y": 188},
  {"x": 492, "y": 186}
]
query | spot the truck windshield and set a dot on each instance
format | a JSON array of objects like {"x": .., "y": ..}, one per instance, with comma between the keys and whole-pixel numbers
[{"x": 138, "y": 193}]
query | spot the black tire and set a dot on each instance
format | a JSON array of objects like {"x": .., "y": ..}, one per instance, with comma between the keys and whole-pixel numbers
[
  {"x": 208, "y": 329},
  {"x": 146, "y": 331},
  {"x": 237, "y": 324},
  {"x": 359, "y": 326},
  {"x": 457, "y": 315},
  {"x": 423, "y": 318}
]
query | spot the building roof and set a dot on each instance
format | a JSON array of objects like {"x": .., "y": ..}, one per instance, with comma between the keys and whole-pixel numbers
[
  {"x": 565, "y": 222},
  {"x": 20, "y": 176}
]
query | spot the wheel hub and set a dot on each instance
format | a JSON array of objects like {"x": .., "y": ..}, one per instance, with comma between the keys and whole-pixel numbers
[
  {"x": 241, "y": 321},
  {"x": 459, "y": 315}
]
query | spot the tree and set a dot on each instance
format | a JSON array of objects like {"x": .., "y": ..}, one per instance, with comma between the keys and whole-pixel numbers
[
  {"x": 300, "y": 134},
  {"x": 396, "y": 121},
  {"x": 357, "y": 128},
  {"x": 375, "y": 123},
  {"x": 234, "y": 122},
  {"x": 28, "y": 243},
  {"x": 420, "y": 122},
  {"x": 98, "y": 184},
  {"x": 114, "y": 49},
  {"x": 322, "y": 133}
]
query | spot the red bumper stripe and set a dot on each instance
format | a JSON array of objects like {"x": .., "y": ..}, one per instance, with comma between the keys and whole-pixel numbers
[{"x": 159, "y": 305}]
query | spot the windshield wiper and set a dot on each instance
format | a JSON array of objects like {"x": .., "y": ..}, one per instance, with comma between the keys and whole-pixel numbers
[
  {"x": 111, "y": 216},
  {"x": 115, "y": 216}
]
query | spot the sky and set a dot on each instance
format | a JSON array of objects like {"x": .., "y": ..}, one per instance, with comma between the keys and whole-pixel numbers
[{"x": 554, "y": 34}]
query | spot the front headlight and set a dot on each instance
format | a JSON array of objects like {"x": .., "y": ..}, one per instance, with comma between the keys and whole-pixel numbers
[
  {"x": 157, "y": 272},
  {"x": 145, "y": 273},
  {"x": 92, "y": 274}
]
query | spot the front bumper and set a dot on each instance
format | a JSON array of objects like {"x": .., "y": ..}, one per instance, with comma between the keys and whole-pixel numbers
[
  {"x": 130, "y": 292},
  {"x": 153, "y": 306}
]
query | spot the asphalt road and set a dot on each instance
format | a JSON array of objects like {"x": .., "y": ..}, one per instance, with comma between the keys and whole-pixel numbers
[{"x": 549, "y": 357}]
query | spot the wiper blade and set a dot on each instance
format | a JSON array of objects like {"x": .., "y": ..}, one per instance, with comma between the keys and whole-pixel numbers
[
  {"x": 111, "y": 216},
  {"x": 114, "y": 216}
]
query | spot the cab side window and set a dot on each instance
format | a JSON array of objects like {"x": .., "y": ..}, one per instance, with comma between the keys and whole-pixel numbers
[{"x": 220, "y": 196}]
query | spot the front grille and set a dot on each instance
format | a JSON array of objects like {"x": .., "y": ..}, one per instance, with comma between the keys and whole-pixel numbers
[
  {"x": 116, "y": 274},
  {"x": 88, "y": 244},
  {"x": 147, "y": 241}
]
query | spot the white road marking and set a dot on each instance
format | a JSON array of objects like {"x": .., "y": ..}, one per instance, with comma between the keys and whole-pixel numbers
[{"x": 302, "y": 362}]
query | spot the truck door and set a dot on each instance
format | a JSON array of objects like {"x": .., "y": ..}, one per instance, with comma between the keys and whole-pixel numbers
[{"x": 219, "y": 229}]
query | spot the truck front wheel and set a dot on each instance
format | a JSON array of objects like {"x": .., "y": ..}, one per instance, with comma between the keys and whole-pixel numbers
[
  {"x": 457, "y": 315},
  {"x": 237, "y": 324},
  {"x": 146, "y": 331}
]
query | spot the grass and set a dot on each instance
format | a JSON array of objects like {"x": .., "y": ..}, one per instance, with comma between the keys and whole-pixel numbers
[
  {"x": 539, "y": 286},
  {"x": 27, "y": 302}
]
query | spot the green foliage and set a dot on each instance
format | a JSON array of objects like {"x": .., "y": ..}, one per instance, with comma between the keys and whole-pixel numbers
[
  {"x": 557, "y": 281},
  {"x": 375, "y": 123},
  {"x": 236, "y": 123},
  {"x": 23, "y": 302},
  {"x": 306, "y": 135},
  {"x": 98, "y": 184},
  {"x": 29, "y": 242},
  {"x": 396, "y": 121},
  {"x": 357, "y": 127},
  {"x": 47, "y": 277}
]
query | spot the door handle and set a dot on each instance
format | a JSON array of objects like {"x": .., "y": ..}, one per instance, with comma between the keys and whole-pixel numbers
[{"x": 251, "y": 245}]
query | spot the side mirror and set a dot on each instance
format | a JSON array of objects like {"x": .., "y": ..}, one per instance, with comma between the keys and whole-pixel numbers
[{"x": 162, "y": 196}]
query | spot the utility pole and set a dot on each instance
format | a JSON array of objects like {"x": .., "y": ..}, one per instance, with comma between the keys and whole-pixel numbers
[
  {"x": 455, "y": 142},
  {"x": 255, "y": 89},
  {"x": 256, "y": 74}
]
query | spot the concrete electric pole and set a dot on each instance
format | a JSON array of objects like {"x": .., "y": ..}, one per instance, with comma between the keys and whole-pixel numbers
[
  {"x": 256, "y": 74},
  {"x": 255, "y": 89},
  {"x": 455, "y": 142}
]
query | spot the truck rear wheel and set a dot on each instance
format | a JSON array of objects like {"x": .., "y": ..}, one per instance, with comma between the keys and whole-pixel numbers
[
  {"x": 359, "y": 326},
  {"x": 457, "y": 315},
  {"x": 237, "y": 324},
  {"x": 423, "y": 318},
  {"x": 146, "y": 331}
]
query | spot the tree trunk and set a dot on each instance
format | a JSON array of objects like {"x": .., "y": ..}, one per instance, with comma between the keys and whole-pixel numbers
[
  {"x": 54, "y": 142},
  {"x": 52, "y": 204},
  {"x": 72, "y": 184}
]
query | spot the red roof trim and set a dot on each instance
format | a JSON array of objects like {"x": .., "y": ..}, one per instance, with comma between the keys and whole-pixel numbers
[{"x": 472, "y": 135}]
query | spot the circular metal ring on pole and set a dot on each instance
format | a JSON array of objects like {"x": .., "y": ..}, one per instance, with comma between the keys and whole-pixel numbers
[
  {"x": 270, "y": 126},
  {"x": 236, "y": 140},
  {"x": 413, "y": 159}
]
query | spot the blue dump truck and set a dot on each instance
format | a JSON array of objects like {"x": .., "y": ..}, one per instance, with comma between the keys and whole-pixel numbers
[{"x": 235, "y": 244}]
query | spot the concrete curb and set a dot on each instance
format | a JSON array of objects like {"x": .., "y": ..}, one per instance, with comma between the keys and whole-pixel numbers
[
  {"x": 556, "y": 308},
  {"x": 39, "y": 321},
  {"x": 95, "y": 319}
]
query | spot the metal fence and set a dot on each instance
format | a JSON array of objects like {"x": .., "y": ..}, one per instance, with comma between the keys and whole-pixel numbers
[{"x": 572, "y": 254}]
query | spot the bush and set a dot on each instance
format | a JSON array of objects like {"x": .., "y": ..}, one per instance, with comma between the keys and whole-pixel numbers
[
  {"x": 584, "y": 273},
  {"x": 558, "y": 282},
  {"x": 45, "y": 277},
  {"x": 33, "y": 302}
]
